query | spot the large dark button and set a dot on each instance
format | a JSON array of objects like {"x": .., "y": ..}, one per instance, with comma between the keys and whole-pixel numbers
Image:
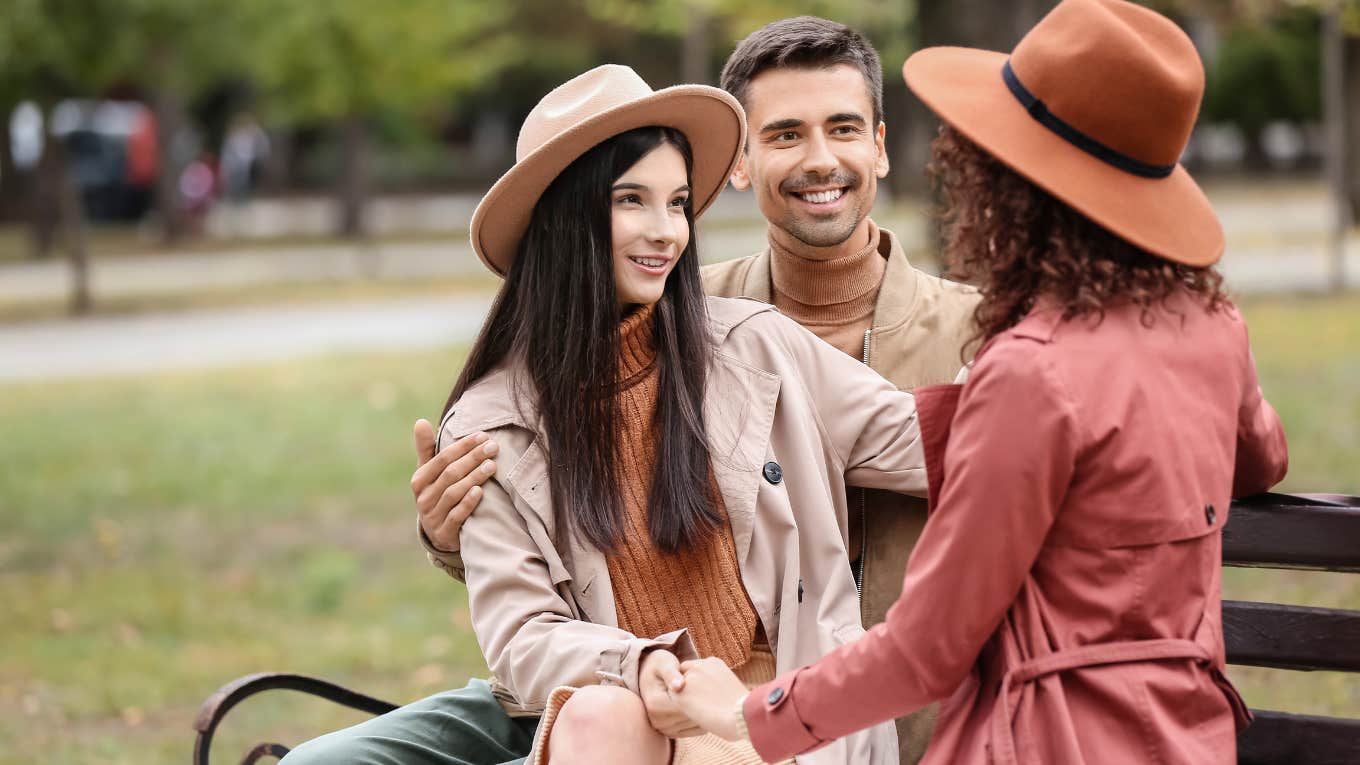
[
  {"x": 775, "y": 696},
  {"x": 1209, "y": 514},
  {"x": 773, "y": 473}
]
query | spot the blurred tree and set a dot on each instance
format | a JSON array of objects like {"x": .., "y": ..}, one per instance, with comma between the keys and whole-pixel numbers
[
  {"x": 1350, "y": 25},
  {"x": 989, "y": 24},
  {"x": 52, "y": 50},
  {"x": 345, "y": 61},
  {"x": 1266, "y": 72}
]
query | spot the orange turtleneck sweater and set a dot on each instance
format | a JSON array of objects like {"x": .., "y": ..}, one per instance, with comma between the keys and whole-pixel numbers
[
  {"x": 700, "y": 587},
  {"x": 833, "y": 298}
]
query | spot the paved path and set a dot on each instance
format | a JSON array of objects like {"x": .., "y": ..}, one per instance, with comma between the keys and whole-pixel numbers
[
  {"x": 154, "y": 342},
  {"x": 1272, "y": 248}
]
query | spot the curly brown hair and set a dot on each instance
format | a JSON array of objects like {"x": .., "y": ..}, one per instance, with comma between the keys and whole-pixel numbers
[{"x": 1017, "y": 242}]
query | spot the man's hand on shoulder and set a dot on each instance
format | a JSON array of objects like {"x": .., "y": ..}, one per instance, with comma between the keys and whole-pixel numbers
[{"x": 448, "y": 485}]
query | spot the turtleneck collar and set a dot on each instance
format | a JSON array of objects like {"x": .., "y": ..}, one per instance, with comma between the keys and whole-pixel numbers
[
  {"x": 847, "y": 279},
  {"x": 637, "y": 348}
]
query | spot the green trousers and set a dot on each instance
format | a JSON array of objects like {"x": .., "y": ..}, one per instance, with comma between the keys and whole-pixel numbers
[{"x": 462, "y": 727}]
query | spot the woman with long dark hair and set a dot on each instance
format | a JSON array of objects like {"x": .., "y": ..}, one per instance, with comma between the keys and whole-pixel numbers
[
  {"x": 672, "y": 472},
  {"x": 1065, "y": 597}
]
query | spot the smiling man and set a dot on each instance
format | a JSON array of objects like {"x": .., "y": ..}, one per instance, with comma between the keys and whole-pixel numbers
[{"x": 813, "y": 94}]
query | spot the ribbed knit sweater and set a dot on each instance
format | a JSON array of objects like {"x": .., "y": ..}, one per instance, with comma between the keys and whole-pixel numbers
[
  {"x": 833, "y": 298},
  {"x": 700, "y": 587}
]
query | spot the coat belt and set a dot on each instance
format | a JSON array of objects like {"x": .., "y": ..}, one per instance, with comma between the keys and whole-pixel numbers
[{"x": 1169, "y": 649}]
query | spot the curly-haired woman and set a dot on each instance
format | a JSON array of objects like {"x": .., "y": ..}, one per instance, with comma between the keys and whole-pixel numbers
[{"x": 1065, "y": 595}]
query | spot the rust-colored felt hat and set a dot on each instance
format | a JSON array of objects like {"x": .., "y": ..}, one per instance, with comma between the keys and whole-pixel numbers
[
  {"x": 583, "y": 112},
  {"x": 1094, "y": 105}
]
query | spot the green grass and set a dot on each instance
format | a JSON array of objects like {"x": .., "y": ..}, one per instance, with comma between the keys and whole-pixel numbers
[{"x": 162, "y": 535}]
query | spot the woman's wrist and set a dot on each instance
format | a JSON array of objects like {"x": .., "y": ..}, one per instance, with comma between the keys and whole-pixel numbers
[{"x": 740, "y": 712}]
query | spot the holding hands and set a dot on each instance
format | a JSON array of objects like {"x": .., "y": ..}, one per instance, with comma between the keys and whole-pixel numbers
[{"x": 708, "y": 693}]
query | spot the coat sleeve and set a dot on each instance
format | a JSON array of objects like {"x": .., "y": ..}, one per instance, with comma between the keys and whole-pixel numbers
[
  {"x": 1011, "y": 457},
  {"x": 1262, "y": 454},
  {"x": 871, "y": 425},
  {"x": 531, "y": 637}
]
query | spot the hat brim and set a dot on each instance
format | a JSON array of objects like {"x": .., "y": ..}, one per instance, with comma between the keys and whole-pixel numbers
[
  {"x": 1169, "y": 217},
  {"x": 711, "y": 119}
]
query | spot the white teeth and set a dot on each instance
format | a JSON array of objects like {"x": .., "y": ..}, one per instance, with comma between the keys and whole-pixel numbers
[
  {"x": 650, "y": 262},
  {"x": 822, "y": 197}
]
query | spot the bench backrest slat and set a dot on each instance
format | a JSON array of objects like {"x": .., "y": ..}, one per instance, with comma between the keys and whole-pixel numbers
[
  {"x": 1278, "y": 738},
  {"x": 1282, "y": 531},
  {"x": 1291, "y": 637}
]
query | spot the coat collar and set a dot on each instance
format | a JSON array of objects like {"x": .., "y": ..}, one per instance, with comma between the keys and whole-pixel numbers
[{"x": 897, "y": 297}]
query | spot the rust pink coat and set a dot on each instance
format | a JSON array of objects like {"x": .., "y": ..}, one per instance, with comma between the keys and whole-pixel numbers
[{"x": 1065, "y": 595}]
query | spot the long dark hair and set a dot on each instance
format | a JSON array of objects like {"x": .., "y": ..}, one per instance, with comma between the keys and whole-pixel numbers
[{"x": 557, "y": 315}]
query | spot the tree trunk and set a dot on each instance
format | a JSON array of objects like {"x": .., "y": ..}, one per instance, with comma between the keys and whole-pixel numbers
[
  {"x": 45, "y": 205},
  {"x": 1351, "y": 73},
  {"x": 698, "y": 46},
  {"x": 12, "y": 182},
  {"x": 71, "y": 212},
  {"x": 989, "y": 24},
  {"x": 354, "y": 176},
  {"x": 168, "y": 107},
  {"x": 1334, "y": 111}
]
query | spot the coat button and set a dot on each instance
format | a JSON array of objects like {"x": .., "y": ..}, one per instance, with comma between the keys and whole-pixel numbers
[
  {"x": 1209, "y": 514},
  {"x": 773, "y": 473},
  {"x": 775, "y": 696}
]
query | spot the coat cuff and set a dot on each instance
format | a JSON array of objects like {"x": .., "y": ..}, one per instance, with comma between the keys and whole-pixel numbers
[
  {"x": 450, "y": 562},
  {"x": 777, "y": 731},
  {"x": 623, "y": 665}
]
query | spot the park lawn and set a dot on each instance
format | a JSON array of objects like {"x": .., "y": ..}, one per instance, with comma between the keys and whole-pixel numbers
[{"x": 160, "y": 535}]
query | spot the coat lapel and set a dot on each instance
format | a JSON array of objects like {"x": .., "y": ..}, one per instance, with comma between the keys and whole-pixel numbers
[
  {"x": 739, "y": 414},
  {"x": 935, "y": 407}
]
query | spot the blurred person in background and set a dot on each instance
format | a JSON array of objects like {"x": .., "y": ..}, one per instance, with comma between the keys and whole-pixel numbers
[{"x": 1065, "y": 597}]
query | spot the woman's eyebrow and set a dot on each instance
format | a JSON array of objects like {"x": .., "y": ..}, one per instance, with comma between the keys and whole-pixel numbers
[
  {"x": 684, "y": 188},
  {"x": 631, "y": 186}
]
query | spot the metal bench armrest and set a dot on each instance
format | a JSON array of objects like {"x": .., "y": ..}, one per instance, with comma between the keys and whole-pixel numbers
[{"x": 216, "y": 706}]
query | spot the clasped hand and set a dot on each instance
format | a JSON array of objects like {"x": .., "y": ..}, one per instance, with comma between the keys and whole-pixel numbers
[{"x": 692, "y": 697}]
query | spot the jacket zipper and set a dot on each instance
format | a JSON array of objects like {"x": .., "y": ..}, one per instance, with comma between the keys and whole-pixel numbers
[{"x": 863, "y": 510}]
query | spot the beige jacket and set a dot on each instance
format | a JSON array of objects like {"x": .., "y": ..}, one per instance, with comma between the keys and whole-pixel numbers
[
  {"x": 791, "y": 422},
  {"x": 920, "y": 324}
]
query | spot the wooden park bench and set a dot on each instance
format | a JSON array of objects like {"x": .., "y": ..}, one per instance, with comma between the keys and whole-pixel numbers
[{"x": 1306, "y": 531}]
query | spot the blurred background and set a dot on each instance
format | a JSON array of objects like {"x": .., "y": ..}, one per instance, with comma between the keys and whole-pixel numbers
[{"x": 234, "y": 269}]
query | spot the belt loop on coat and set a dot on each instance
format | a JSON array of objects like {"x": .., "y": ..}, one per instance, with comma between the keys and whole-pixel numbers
[{"x": 1123, "y": 652}]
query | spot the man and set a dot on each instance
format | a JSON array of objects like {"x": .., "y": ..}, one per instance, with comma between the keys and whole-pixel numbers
[{"x": 813, "y": 94}]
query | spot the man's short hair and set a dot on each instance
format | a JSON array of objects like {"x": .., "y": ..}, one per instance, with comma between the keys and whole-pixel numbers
[{"x": 806, "y": 42}]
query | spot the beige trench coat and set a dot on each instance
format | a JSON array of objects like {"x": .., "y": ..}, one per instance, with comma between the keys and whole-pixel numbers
[{"x": 545, "y": 617}]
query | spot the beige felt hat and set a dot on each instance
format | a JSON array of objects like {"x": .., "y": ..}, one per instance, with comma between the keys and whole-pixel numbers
[
  {"x": 1095, "y": 105},
  {"x": 586, "y": 110}
]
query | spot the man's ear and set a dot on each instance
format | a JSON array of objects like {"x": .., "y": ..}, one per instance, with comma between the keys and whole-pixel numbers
[
  {"x": 740, "y": 180},
  {"x": 881, "y": 161}
]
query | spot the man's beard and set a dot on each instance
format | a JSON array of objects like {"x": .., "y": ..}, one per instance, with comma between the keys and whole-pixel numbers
[{"x": 826, "y": 232}]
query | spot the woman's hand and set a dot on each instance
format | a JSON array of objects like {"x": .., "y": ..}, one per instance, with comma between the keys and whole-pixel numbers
[
  {"x": 709, "y": 693},
  {"x": 659, "y": 670}
]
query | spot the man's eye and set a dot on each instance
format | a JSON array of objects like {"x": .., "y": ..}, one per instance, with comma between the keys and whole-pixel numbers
[{"x": 787, "y": 135}]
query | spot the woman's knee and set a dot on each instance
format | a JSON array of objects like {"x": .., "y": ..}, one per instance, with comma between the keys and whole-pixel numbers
[{"x": 594, "y": 711}]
